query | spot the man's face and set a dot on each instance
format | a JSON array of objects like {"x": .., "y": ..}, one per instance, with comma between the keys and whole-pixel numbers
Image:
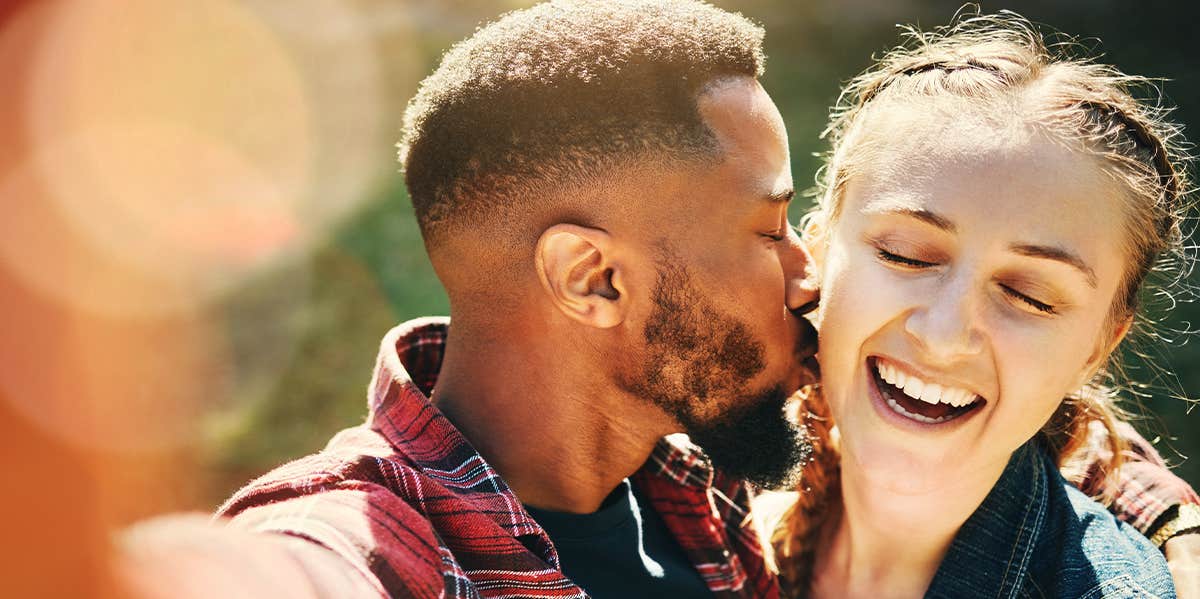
[{"x": 723, "y": 345}]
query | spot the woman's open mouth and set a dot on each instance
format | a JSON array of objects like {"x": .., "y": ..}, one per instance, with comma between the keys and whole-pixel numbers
[{"x": 918, "y": 400}]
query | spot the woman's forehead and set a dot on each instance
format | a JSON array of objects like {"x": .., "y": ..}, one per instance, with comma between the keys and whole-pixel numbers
[
  {"x": 943, "y": 128},
  {"x": 994, "y": 171}
]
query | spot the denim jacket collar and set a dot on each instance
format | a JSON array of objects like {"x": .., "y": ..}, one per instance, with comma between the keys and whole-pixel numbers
[{"x": 992, "y": 551}]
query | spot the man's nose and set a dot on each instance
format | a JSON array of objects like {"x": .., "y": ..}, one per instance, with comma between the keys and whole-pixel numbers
[{"x": 802, "y": 293}]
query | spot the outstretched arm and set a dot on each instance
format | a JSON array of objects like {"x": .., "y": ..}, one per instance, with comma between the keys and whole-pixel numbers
[{"x": 190, "y": 556}]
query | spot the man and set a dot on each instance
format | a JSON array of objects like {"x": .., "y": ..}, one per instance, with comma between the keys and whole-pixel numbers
[{"x": 602, "y": 188}]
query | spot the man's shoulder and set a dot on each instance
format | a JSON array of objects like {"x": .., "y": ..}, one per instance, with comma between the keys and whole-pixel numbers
[
  {"x": 406, "y": 521},
  {"x": 358, "y": 498},
  {"x": 354, "y": 457}
]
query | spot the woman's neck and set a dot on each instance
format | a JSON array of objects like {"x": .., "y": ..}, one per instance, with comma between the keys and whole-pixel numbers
[{"x": 888, "y": 541}]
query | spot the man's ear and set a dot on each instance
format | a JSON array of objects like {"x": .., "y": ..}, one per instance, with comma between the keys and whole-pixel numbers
[
  {"x": 813, "y": 234},
  {"x": 1105, "y": 348},
  {"x": 577, "y": 269}
]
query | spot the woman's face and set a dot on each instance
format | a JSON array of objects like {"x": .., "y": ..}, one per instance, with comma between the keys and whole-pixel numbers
[{"x": 966, "y": 289}]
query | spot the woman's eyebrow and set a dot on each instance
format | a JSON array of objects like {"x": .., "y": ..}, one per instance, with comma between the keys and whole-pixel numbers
[
  {"x": 930, "y": 217},
  {"x": 921, "y": 214},
  {"x": 1057, "y": 254}
]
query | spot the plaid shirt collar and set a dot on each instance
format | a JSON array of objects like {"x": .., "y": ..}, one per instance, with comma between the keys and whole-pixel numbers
[
  {"x": 708, "y": 513},
  {"x": 405, "y": 372}
]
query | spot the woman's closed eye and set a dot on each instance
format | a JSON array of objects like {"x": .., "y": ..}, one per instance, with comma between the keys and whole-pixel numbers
[
  {"x": 901, "y": 260},
  {"x": 1027, "y": 301}
]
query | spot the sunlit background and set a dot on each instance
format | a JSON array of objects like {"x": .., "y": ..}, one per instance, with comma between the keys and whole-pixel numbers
[{"x": 203, "y": 234}]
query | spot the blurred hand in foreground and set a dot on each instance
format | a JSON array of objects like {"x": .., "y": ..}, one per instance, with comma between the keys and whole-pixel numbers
[{"x": 187, "y": 556}]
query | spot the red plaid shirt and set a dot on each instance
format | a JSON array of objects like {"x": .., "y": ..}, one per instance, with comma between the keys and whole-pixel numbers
[
  {"x": 414, "y": 510},
  {"x": 406, "y": 508},
  {"x": 1145, "y": 488}
]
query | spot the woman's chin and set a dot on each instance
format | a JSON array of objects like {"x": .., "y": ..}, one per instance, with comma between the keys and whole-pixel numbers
[{"x": 898, "y": 467}]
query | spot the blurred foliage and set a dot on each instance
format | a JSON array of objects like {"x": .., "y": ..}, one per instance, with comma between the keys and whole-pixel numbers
[{"x": 372, "y": 271}]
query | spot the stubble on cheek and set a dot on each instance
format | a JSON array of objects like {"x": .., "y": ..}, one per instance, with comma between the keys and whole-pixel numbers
[{"x": 693, "y": 355}]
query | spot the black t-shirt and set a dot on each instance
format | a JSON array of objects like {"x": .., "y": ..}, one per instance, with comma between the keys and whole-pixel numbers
[{"x": 621, "y": 550}]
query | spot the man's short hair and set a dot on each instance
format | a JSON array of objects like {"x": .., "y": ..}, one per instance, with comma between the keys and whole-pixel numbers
[{"x": 563, "y": 92}]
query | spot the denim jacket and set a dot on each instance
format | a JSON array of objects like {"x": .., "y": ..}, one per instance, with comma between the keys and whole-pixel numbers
[{"x": 1037, "y": 536}]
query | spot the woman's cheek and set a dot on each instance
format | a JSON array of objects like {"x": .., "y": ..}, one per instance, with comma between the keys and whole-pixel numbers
[{"x": 1031, "y": 386}]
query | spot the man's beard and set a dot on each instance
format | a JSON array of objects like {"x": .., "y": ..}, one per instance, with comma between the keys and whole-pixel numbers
[
  {"x": 755, "y": 440},
  {"x": 697, "y": 365}
]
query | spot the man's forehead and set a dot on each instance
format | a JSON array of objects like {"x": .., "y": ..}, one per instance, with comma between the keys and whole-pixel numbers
[
  {"x": 730, "y": 104},
  {"x": 751, "y": 136}
]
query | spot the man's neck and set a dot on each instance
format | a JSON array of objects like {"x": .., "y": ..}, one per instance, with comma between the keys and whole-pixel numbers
[
  {"x": 561, "y": 436},
  {"x": 890, "y": 543}
]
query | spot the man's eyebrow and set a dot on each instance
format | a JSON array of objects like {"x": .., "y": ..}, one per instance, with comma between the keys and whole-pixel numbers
[
  {"x": 1057, "y": 254},
  {"x": 781, "y": 197}
]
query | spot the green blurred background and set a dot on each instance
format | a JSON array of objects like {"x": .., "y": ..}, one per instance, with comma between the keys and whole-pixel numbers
[{"x": 303, "y": 359}]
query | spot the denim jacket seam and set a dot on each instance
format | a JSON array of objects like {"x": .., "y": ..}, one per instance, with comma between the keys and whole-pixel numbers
[
  {"x": 1026, "y": 536},
  {"x": 1122, "y": 582}
]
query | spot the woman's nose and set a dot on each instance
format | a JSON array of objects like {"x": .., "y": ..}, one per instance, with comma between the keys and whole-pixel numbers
[{"x": 946, "y": 326}]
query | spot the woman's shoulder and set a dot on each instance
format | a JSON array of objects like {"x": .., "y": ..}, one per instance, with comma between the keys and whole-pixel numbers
[
  {"x": 1087, "y": 549},
  {"x": 1034, "y": 535}
]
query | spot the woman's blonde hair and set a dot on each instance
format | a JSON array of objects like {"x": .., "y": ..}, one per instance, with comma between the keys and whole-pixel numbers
[{"x": 982, "y": 60}]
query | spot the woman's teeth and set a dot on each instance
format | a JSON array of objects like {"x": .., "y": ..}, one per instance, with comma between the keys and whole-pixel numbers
[
  {"x": 931, "y": 393},
  {"x": 918, "y": 417}
]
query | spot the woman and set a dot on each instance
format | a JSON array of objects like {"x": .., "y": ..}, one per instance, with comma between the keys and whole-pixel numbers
[{"x": 990, "y": 213}]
